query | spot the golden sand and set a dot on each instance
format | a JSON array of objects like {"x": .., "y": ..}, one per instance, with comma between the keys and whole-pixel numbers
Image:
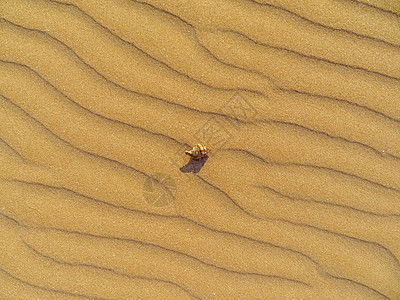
[{"x": 298, "y": 102}]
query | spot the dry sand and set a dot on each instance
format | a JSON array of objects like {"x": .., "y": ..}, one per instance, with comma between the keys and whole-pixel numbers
[{"x": 299, "y": 102}]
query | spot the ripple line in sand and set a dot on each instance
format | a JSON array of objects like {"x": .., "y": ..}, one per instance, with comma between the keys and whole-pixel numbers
[
  {"x": 112, "y": 120},
  {"x": 327, "y": 26},
  {"x": 32, "y": 249},
  {"x": 281, "y": 48},
  {"x": 300, "y": 224},
  {"x": 324, "y": 203},
  {"x": 47, "y": 289},
  {"x": 87, "y": 152}
]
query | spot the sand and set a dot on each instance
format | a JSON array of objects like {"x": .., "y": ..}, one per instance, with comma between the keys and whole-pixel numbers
[{"x": 298, "y": 102}]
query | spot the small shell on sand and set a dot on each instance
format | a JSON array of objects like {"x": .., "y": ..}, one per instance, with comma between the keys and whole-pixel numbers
[{"x": 198, "y": 151}]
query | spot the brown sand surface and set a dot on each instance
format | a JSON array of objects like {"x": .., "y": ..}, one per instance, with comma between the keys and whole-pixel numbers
[{"x": 299, "y": 102}]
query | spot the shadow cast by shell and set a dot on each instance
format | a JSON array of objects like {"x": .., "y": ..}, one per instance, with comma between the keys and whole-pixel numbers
[{"x": 194, "y": 165}]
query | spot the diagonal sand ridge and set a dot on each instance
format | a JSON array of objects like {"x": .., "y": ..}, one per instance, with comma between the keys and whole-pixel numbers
[{"x": 299, "y": 102}]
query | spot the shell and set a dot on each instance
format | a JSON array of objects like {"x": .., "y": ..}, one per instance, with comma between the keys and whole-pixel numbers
[{"x": 198, "y": 151}]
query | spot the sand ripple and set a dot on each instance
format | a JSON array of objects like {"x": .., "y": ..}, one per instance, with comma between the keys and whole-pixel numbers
[{"x": 298, "y": 101}]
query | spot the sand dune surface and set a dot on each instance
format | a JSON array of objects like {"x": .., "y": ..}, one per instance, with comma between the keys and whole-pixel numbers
[{"x": 297, "y": 101}]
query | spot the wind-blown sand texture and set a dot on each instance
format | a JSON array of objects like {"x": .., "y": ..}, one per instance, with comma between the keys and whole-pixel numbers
[{"x": 299, "y": 102}]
